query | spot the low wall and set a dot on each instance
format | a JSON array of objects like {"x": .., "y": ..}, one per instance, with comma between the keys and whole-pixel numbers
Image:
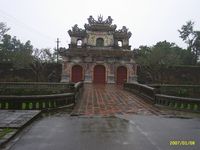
[
  {"x": 35, "y": 85},
  {"x": 178, "y": 90},
  {"x": 171, "y": 75},
  {"x": 181, "y": 103},
  {"x": 9, "y": 73},
  {"x": 141, "y": 89},
  {"x": 40, "y": 101},
  {"x": 153, "y": 94}
]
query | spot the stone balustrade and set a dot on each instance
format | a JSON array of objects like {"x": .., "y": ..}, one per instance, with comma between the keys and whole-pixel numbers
[
  {"x": 26, "y": 102},
  {"x": 36, "y": 85},
  {"x": 182, "y": 103},
  {"x": 141, "y": 89}
]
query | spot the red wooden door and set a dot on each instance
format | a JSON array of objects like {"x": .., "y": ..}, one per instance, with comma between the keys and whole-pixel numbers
[
  {"x": 121, "y": 74},
  {"x": 77, "y": 73},
  {"x": 99, "y": 74}
]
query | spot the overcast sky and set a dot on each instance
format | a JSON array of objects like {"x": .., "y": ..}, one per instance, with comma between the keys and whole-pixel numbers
[{"x": 150, "y": 21}]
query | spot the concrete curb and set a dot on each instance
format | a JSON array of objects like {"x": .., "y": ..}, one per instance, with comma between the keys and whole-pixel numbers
[{"x": 11, "y": 135}]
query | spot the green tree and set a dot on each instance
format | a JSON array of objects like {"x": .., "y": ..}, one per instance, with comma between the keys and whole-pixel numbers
[
  {"x": 192, "y": 39},
  {"x": 48, "y": 56},
  {"x": 16, "y": 52},
  {"x": 162, "y": 55},
  {"x": 3, "y": 53},
  {"x": 12, "y": 50},
  {"x": 3, "y": 29},
  {"x": 38, "y": 65},
  {"x": 41, "y": 57}
]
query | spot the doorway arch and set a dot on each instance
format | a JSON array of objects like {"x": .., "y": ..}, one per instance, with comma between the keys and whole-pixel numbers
[
  {"x": 100, "y": 42},
  {"x": 121, "y": 75},
  {"x": 77, "y": 73},
  {"x": 99, "y": 75}
]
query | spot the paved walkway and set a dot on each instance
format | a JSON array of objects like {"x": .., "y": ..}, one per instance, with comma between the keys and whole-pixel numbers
[
  {"x": 109, "y": 99},
  {"x": 122, "y": 130},
  {"x": 16, "y": 118},
  {"x": 140, "y": 132}
]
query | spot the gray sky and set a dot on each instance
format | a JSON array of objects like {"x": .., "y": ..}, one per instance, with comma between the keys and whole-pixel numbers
[{"x": 150, "y": 21}]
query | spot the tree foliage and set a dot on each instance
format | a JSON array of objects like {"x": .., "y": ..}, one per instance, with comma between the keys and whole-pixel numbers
[
  {"x": 162, "y": 55},
  {"x": 191, "y": 38},
  {"x": 41, "y": 57},
  {"x": 21, "y": 55},
  {"x": 16, "y": 52},
  {"x": 3, "y": 29}
]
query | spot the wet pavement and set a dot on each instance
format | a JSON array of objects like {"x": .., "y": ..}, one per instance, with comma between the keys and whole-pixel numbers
[
  {"x": 161, "y": 130},
  {"x": 109, "y": 99},
  {"x": 109, "y": 118},
  {"x": 126, "y": 132},
  {"x": 16, "y": 118}
]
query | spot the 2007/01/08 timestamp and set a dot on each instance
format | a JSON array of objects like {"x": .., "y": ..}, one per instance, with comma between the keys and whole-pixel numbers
[{"x": 184, "y": 143}]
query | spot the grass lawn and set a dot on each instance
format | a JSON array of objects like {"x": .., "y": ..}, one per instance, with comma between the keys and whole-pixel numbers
[{"x": 5, "y": 131}]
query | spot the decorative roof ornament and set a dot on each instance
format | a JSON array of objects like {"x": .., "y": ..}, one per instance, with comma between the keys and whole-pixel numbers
[
  {"x": 76, "y": 31},
  {"x": 100, "y": 20},
  {"x": 91, "y": 20},
  {"x": 123, "y": 32},
  {"x": 109, "y": 20},
  {"x": 100, "y": 24}
]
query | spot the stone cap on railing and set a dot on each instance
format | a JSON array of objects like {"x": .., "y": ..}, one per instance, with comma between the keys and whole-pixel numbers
[
  {"x": 34, "y": 97},
  {"x": 32, "y": 83},
  {"x": 186, "y": 103},
  {"x": 188, "y": 99},
  {"x": 142, "y": 89},
  {"x": 68, "y": 97},
  {"x": 38, "y": 85},
  {"x": 145, "y": 86},
  {"x": 172, "y": 85}
]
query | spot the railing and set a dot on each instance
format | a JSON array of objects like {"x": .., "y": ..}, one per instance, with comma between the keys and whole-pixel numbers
[
  {"x": 36, "y": 101},
  {"x": 184, "y": 103},
  {"x": 41, "y": 101},
  {"x": 178, "y": 90},
  {"x": 78, "y": 88},
  {"x": 141, "y": 89},
  {"x": 36, "y": 85}
]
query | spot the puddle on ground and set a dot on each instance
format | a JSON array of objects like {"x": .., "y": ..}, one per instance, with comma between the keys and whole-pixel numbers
[
  {"x": 57, "y": 112},
  {"x": 178, "y": 117}
]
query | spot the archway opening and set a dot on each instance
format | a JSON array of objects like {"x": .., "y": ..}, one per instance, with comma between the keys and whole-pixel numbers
[
  {"x": 79, "y": 43},
  {"x": 121, "y": 75},
  {"x": 99, "y": 76},
  {"x": 120, "y": 43},
  {"x": 77, "y": 73},
  {"x": 99, "y": 42}
]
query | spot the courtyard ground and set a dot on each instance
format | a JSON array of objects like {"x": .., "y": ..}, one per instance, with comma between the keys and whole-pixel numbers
[
  {"x": 108, "y": 100},
  {"x": 11, "y": 121},
  {"x": 109, "y": 118}
]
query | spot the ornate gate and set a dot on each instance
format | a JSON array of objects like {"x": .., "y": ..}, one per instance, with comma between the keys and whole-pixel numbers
[
  {"x": 121, "y": 75},
  {"x": 77, "y": 73},
  {"x": 99, "y": 74}
]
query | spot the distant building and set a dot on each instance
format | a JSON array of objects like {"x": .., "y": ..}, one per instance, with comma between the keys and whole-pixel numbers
[{"x": 98, "y": 54}]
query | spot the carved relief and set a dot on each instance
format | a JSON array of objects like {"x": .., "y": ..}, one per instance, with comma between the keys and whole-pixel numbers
[
  {"x": 111, "y": 69},
  {"x": 92, "y": 21},
  {"x": 91, "y": 53}
]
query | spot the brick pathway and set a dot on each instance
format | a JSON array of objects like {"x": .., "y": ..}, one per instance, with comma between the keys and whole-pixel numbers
[{"x": 109, "y": 99}]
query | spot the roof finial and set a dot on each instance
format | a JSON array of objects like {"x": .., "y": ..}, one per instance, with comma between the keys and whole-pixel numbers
[{"x": 100, "y": 18}]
